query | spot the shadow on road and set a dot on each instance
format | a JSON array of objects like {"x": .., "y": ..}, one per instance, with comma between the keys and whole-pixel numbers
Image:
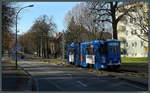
[{"x": 12, "y": 79}]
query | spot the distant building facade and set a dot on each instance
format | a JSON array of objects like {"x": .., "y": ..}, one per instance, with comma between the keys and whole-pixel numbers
[
  {"x": 55, "y": 46},
  {"x": 131, "y": 44}
]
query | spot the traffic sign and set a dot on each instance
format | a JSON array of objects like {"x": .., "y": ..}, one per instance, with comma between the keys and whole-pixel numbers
[{"x": 16, "y": 47}]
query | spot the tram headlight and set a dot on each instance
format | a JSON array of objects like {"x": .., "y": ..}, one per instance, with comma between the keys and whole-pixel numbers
[
  {"x": 119, "y": 62},
  {"x": 102, "y": 66},
  {"x": 110, "y": 62}
]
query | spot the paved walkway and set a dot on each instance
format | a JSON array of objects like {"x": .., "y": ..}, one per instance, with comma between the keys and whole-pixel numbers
[{"x": 12, "y": 79}]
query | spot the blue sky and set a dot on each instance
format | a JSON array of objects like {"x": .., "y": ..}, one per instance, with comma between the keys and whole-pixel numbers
[{"x": 56, "y": 9}]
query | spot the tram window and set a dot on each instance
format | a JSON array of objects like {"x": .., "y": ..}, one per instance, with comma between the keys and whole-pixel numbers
[
  {"x": 106, "y": 49},
  {"x": 89, "y": 50},
  {"x": 114, "y": 49},
  {"x": 116, "y": 52},
  {"x": 71, "y": 51},
  {"x": 102, "y": 49}
]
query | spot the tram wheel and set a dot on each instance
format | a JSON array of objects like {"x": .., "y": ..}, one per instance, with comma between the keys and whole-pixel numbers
[
  {"x": 90, "y": 65},
  {"x": 117, "y": 67},
  {"x": 113, "y": 67}
]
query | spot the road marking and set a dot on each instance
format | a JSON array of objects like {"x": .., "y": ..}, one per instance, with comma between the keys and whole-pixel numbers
[
  {"x": 69, "y": 75},
  {"x": 55, "y": 84},
  {"x": 82, "y": 83},
  {"x": 136, "y": 86}
]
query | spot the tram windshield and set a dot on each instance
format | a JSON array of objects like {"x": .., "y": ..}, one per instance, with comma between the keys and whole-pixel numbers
[
  {"x": 114, "y": 49},
  {"x": 90, "y": 50},
  {"x": 71, "y": 51},
  {"x": 102, "y": 49}
]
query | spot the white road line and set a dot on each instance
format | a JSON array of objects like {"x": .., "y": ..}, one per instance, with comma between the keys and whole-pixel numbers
[
  {"x": 82, "y": 83},
  {"x": 55, "y": 84},
  {"x": 69, "y": 75}
]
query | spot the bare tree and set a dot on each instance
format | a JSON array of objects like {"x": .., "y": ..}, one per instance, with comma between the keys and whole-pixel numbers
[
  {"x": 75, "y": 32},
  {"x": 83, "y": 18},
  {"x": 39, "y": 35},
  {"x": 8, "y": 13},
  {"x": 106, "y": 12},
  {"x": 141, "y": 20}
]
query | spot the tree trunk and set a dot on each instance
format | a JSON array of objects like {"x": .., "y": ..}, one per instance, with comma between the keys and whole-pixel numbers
[
  {"x": 47, "y": 49},
  {"x": 115, "y": 36},
  {"x": 114, "y": 21}
]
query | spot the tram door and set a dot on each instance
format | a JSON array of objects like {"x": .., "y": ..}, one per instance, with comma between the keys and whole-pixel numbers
[
  {"x": 71, "y": 55},
  {"x": 90, "y": 56}
]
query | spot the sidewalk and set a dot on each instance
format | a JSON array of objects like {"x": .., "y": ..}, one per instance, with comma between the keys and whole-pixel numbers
[{"x": 12, "y": 79}]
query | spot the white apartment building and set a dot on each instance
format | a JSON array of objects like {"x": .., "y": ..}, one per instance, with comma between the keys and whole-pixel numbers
[{"x": 131, "y": 44}]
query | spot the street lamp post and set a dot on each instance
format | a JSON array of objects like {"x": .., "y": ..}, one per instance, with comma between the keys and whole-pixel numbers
[
  {"x": 16, "y": 29},
  {"x": 63, "y": 49}
]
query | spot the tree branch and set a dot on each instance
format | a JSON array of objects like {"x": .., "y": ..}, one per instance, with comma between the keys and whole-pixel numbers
[{"x": 141, "y": 37}]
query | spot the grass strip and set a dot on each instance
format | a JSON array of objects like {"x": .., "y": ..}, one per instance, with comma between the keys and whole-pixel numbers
[{"x": 134, "y": 59}]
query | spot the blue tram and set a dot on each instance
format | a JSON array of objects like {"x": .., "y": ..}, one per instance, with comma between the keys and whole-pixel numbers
[
  {"x": 73, "y": 54},
  {"x": 91, "y": 53},
  {"x": 101, "y": 54},
  {"x": 113, "y": 57}
]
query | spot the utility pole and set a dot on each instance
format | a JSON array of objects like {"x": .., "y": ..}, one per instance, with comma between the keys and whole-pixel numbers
[{"x": 41, "y": 47}]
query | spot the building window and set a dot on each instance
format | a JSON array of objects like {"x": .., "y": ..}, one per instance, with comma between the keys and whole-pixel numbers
[
  {"x": 145, "y": 48},
  {"x": 126, "y": 44},
  {"x": 133, "y": 32},
  {"x": 131, "y": 20},
  {"x": 134, "y": 20},
  {"x": 123, "y": 28},
  {"x": 142, "y": 31},
  {"x": 126, "y": 32},
  {"x": 142, "y": 43},
  {"x": 135, "y": 44},
  {"x": 125, "y": 21},
  {"x": 132, "y": 44}
]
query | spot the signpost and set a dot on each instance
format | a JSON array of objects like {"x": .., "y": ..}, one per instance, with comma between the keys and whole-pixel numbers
[{"x": 16, "y": 47}]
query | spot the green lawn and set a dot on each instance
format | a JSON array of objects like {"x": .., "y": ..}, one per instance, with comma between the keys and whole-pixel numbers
[{"x": 134, "y": 59}]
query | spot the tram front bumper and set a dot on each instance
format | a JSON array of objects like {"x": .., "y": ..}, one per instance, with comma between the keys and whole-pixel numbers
[{"x": 114, "y": 63}]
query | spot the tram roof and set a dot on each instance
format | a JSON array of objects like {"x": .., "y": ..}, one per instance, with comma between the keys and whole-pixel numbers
[
  {"x": 93, "y": 41},
  {"x": 109, "y": 40}
]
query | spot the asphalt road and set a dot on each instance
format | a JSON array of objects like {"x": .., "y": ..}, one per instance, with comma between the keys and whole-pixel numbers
[{"x": 60, "y": 78}]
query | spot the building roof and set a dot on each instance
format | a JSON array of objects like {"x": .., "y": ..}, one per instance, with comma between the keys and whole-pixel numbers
[{"x": 58, "y": 36}]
